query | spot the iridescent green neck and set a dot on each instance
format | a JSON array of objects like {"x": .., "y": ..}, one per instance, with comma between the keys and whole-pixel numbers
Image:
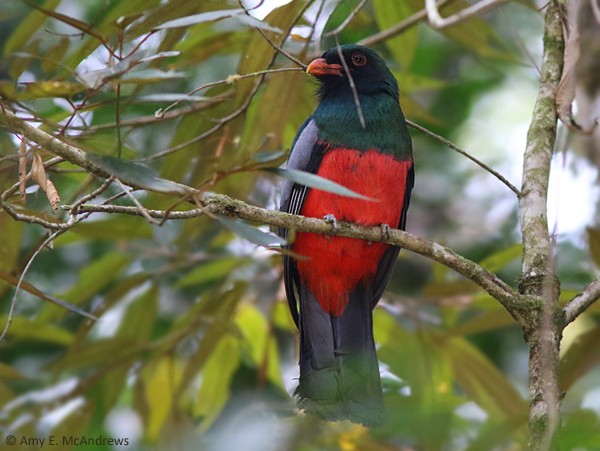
[{"x": 339, "y": 124}]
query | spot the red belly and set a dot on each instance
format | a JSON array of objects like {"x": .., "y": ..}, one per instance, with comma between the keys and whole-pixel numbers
[{"x": 336, "y": 265}]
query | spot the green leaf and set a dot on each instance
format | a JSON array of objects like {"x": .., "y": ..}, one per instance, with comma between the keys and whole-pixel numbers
[
  {"x": 263, "y": 348},
  {"x": 8, "y": 372},
  {"x": 259, "y": 51},
  {"x": 502, "y": 258},
  {"x": 161, "y": 382},
  {"x": 10, "y": 241},
  {"x": 484, "y": 322},
  {"x": 216, "y": 379},
  {"x": 475, "y": 34},
  {"x": 165, "y": 97},
  {"x": 317, "y": 182},
  {"x": 255, "y": 23},
  {"x": 404, "y": 45},
  {"x": 97, "y": 275},
  {"x": 89, "y": 354},
  {"x": 75, "y": 23},
  {"x": 480, "y": 379},
  {"x": 252, "y": 234},
  {"x": 150, "y": 76},
  {"x": 26, "y": 29},
  {"x": 14, "y": 281},
  {"x": 594, "y": 244},
  {"x": 582, "y": 356},
  {"x": 211, "y": 271},
  {"x": 137, "y": 174},
  {"x": 200, "y": 18},
  {"x": 121, "y": 228},
  {"x": 138, "y": 322},
  {"x": 35, "y": 330}
]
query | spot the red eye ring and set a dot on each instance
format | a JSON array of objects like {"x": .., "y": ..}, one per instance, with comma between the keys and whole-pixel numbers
[{"x": 358, "y": 59}]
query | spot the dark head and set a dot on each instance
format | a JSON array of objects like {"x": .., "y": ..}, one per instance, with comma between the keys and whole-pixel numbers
[{"x": 367, "y": 69}]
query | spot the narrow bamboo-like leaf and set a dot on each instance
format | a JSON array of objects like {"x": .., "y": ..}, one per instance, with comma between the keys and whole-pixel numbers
[
  {"x": 317, "y": 182},
  {"x": 136, "y": 174},
  {"x": 267, "y": 157},
  {"x": 75, "y": 23},
  {"x": 485, "y": 322},
  {"x": 32, "y": 330},
  {"x": 150, "y": 76},
  {"x": 200, "y": 18},
  {"x": 40, "y": 294},
  {"x": 27, "y": 28},
  {"x": 161, "y": 382},
  {"x": 251, "y": 233},
  {"x": 122, "y": 228},
  {"x": 500, "y": 259},
  {"x": 160, "y": 98},
  {"x": 404, "y": 45},
  {"x": 48, "y": 89},
  {"x": 594, "y": 244},
  {"x": 216, "y": 378},
  {"x": 263, "y": 349},
  {"x": 97, "y": 275},
  {"x": 139, "y": 319},
  {"x": 581, "y": 357},
  {"x": 8, "y": 372},
  {"x": 93, "y": 354},
  {"x": 255, "y": 23},
  {"x": 210, "y": 271},
  {"x": 409, "y": 82},
  {"x": 480, "y": 379}
]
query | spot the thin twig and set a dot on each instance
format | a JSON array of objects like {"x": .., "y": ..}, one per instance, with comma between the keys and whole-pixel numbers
[
  {"x": 582, "y": 301},
  {"x": 361, "y": 116},
  {"x": 276, "y": 47},
  {"x": 454, "y": 147},
  {"x": 13, "y": 302},
  {"x": 135, "y": 211},
  {"x": 347, "y": 20},
  {"x": 439, "y": 22},
  {"x": 399, "y": 27},
  {"x": 137, "y": 203},
  {"x": 232, "y": 78}
]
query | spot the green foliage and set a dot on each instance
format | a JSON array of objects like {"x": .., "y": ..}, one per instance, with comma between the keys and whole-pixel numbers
[{"x": 193, "y": 338}]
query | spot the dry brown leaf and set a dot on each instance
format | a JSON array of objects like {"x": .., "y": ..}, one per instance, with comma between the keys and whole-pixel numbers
[
  {"x": 22, "y": 168},
  {"x": 38, "y": 174}
]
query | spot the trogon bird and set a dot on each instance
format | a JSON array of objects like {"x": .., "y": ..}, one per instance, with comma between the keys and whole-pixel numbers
[{"x": 332, "y": 282}]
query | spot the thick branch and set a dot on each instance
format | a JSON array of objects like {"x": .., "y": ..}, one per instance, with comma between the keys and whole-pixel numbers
[
  {"x": 539, "y": 281},
  {"x": 222, "y": 205},
  {"x": 538, "y": 155}
]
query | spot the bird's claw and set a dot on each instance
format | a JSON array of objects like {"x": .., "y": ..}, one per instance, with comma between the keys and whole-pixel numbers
[
  {"x": 385, "y": 232},
  {"x": 331, "y": 219}
]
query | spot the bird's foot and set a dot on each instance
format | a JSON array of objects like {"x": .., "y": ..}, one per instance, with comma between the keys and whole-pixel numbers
[
  {"x": 385, "y": 232},
  {"x": 329, "y": 218}
]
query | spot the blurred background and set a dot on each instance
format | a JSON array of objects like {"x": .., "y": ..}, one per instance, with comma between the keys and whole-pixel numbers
[{"x": 194, "y": 347}]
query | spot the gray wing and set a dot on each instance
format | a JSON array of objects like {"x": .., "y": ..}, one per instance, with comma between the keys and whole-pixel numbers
[{"x": 305, "y": 156}]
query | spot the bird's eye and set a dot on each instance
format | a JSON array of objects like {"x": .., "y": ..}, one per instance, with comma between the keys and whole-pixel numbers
[{"x": 359, "y": 59}]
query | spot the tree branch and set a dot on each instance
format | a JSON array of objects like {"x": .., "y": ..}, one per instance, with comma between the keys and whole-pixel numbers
[
  {"x": 538, "y": 280},
  {"x": 223, "y": 205},
  {"x": 439, "y": 22},
  {"x": 398, "y": 28},
  {"x": 454, "y": 147},
  {"x": 582, "y": 301}
]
